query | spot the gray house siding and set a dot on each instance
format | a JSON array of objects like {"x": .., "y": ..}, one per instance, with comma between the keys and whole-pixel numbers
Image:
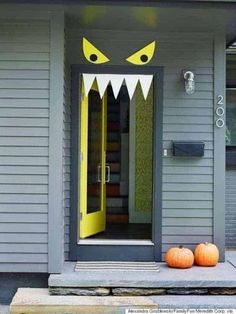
[
  {"x": 24, "y": 141},
  {"x": 187, "y": 214},
  {"x": 230, "y": 210},
  {"x": 188, "y": 187}
]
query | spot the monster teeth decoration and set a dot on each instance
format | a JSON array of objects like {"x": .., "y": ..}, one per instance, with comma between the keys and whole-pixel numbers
[{"x": 116, "y": 80}]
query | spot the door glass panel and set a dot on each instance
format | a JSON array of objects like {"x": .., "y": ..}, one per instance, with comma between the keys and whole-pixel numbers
[{"x": 94, "y": 152}]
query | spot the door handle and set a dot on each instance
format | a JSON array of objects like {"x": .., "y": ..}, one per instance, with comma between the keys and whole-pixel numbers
[
  {"x": 108, "y": 172},
  {"x": 98, "y": 174}
]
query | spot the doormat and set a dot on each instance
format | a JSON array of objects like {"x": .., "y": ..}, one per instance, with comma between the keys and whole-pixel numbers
[{"x": 116, "y": 266}]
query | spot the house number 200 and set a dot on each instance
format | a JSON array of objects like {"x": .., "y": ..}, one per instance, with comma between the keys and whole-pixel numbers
[{"x": 220, "y": 112}]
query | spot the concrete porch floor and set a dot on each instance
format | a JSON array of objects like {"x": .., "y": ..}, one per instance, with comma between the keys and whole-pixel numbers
[{"x": 223, "y": 275}]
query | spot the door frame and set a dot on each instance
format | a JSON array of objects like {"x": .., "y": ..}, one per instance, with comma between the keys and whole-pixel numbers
[{"x": 129, "y": 250}]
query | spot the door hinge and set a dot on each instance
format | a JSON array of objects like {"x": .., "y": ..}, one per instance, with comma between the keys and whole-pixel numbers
[{"x": 81, "y": 216}]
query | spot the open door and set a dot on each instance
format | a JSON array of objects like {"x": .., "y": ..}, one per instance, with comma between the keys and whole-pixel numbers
[{"x": 92, "y": 163}]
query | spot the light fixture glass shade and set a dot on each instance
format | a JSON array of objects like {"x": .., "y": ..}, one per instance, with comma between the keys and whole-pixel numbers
[{"x": 189, "y": 82}]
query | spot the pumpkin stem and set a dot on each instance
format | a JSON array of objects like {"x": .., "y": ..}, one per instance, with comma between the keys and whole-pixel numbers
[{"x": 181, "y": 246}]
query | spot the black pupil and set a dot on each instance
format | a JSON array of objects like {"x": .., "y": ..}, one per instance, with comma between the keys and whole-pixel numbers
[
  {"x": 144, "y": 58},
  {"x": 93, "y": 57}
]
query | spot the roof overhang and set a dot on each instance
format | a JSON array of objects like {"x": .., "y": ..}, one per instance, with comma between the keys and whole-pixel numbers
[
  {"x": 205, "y": 16},
  {"x": 128, "y": 2}
]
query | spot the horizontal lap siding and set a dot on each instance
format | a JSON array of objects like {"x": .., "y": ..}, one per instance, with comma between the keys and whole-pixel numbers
[
  {"x": 187, "y": 211},
  {"x": 24, "y": 129},
  {"x": 230, "y": 208}
]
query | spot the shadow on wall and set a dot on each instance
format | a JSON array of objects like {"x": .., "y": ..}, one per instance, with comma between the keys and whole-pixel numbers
[{"x": 9, "y": 283}]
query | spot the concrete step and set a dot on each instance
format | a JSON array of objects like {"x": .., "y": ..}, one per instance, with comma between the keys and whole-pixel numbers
[
  {"x": 34, "y": 300},
  {"x": 223, "y": 275},
  {"x": 4, "y": 309},
  {"x": 194, "y": 302}
]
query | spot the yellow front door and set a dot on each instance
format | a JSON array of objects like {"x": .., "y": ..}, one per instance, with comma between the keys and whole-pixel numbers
[{"x": 92, "y": 203}]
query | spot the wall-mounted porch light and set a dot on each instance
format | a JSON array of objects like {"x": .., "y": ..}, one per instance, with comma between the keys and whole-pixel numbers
[{"x": 189, "y": 82}]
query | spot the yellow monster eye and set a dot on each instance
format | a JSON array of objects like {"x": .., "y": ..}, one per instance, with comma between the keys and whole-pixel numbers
[
  {"x": 92, "y": 54},
  {"x": 144, "y": 55}
]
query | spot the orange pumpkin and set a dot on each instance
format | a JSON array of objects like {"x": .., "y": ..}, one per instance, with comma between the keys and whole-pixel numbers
[
  {"x": 206, "y": 254},
  {"x": 179, "y": 257}
]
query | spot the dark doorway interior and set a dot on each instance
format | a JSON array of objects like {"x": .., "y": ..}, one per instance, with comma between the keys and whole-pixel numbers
[
  {"x": 129, "y": 231},
  {"x": 118, "y": 223}
]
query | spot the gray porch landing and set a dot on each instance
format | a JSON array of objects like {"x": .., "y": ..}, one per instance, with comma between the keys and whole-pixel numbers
[{"x": 221, "y": 276}]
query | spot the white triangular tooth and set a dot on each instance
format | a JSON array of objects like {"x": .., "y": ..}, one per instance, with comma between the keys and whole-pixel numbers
[
  {"x": 131, "y": 83},
  {"x": 88, "y": 80},
  {"x": 102, "y": 81},
  {"x": 145, "y": 82},
  {"x": 116, "y": 82}
]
